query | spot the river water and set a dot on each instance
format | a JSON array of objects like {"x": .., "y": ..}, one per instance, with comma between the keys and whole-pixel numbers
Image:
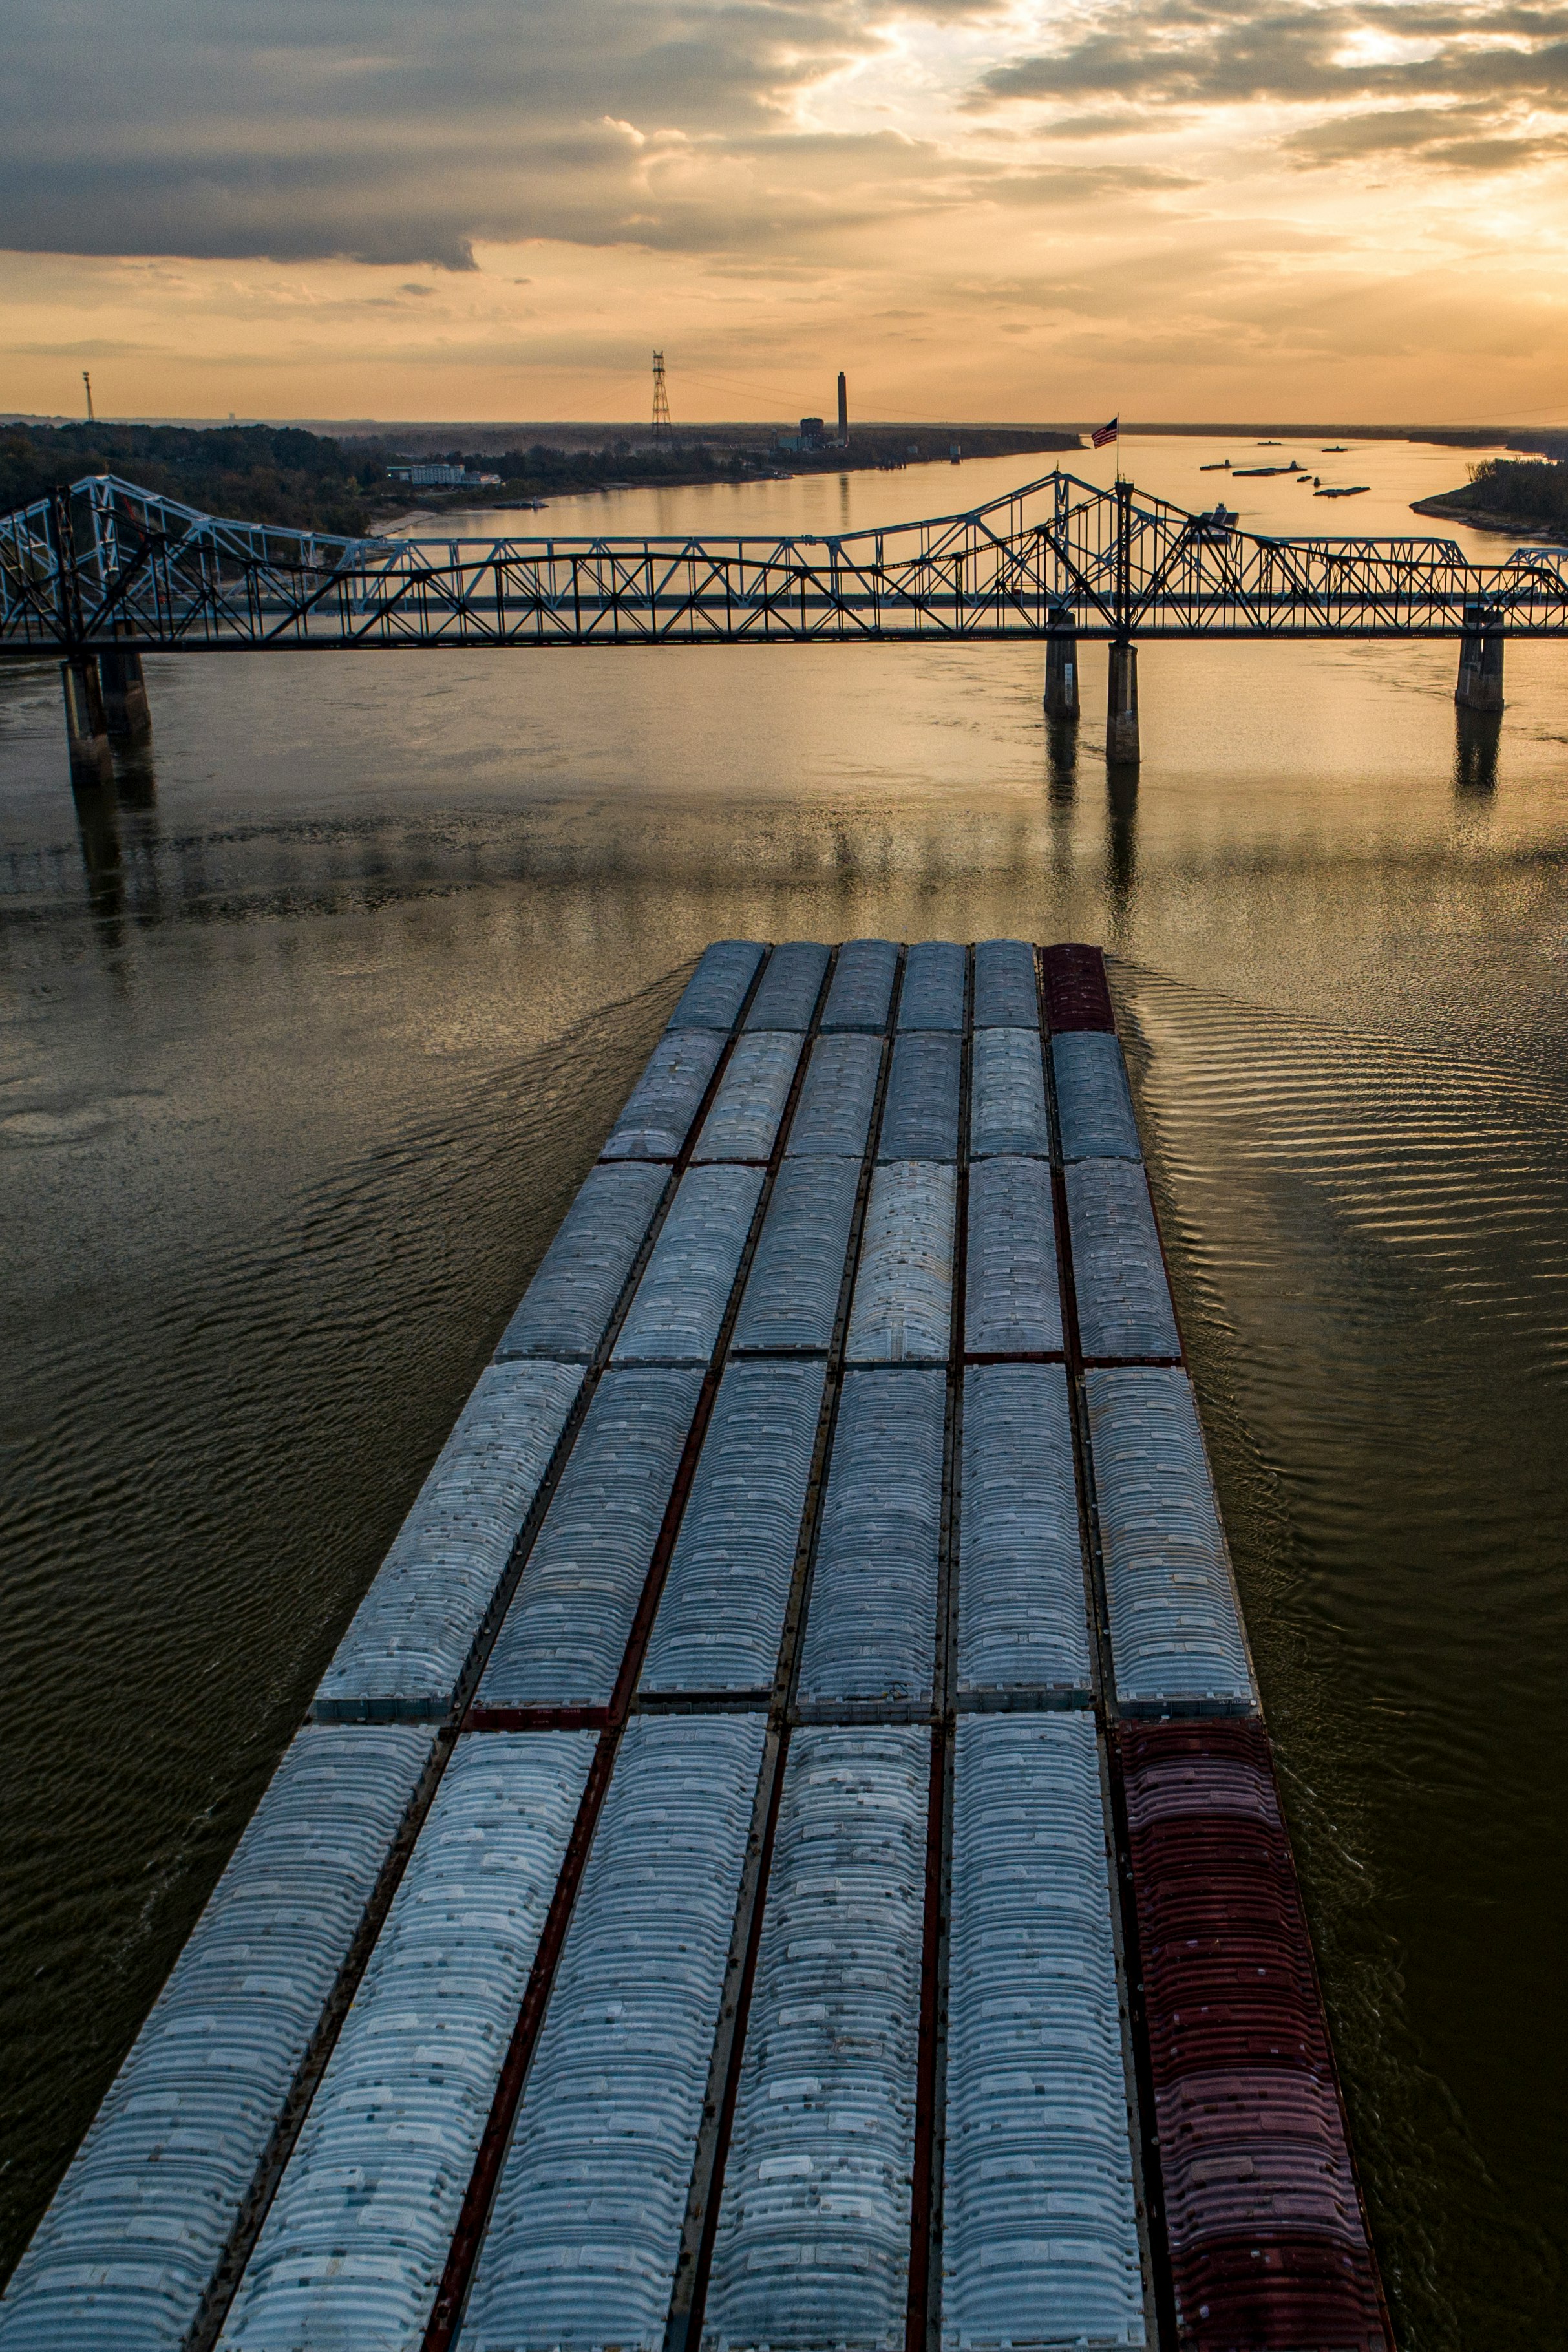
[{"x": 312, "y": 1027}]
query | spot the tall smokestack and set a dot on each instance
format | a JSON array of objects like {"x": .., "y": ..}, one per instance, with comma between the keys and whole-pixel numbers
[{"x": 843, "y": 410}]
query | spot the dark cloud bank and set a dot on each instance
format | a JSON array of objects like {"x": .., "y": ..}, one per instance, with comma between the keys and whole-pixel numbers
[{"x": 393, "y": 131}]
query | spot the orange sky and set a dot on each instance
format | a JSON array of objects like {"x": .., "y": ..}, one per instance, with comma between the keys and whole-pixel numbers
[{"x": 1175, "y": 208}]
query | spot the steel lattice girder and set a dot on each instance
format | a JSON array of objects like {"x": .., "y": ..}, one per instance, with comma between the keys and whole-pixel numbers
[{"x": 109, "y": 563}]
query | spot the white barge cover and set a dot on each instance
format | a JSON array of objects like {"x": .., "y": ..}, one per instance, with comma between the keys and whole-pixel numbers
[
  {"x": 932, "y": 993},
  {"x": 902, "y": 1307},
  {"x": 717, "y": 989},
  {"x": 1008, "y": 1094},
  {"x": 1094, "y": 1102},
  {"x": 1005, "y": 993},
  {"x": 667, "y": 1097},
  {"x": 920, "y": 1117},
  {"x": 356, "y": 2238},
  {"x": 1123, "y": 1299},
  {"x": 871, "y": 1631},
  {"x": 678, "y": 1306},
  {"x": 791, "y": 1299},
  {"x": 1040, "y": 2232},
  {"x": 566, "y": 1309},
  {"x": 787, "y": 992},
  {"x": 1022, "y": 1612},
  {"x": 722, "y": 1614},
  {"x": 813, "y": 2244},
  {"x": 837, "y": 1098},
  {"x": 585, "y": 2229},
  {"x": 1175, "y": 1626},
  {"x": 125, "y": 2255},
  {"x": 1013, "y": 1293},
  {"x": 414, "y": 1633},
  {"x": 750, "y": 1099},
  {"x": 561, "y": 1641},
  {"x": 861, "y": 994}
]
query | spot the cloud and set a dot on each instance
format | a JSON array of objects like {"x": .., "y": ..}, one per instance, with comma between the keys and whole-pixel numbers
[
  {"x": 391, "y": 131},
  {"x": 1161, "y": 54},
  {"x": 1445, "y": 138}
]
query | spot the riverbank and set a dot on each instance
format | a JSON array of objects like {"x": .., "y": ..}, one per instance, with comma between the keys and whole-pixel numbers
[
  {"x": 1503, "y": 495},
  {"x": 308, "y": 481},
  {"x": 1454, "y": 509}
]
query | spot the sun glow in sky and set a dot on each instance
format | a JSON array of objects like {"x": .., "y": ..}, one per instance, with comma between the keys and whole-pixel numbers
[{"x": 1347, "y": 209}]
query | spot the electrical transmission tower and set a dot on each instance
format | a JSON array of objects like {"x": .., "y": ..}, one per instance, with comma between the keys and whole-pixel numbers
[{"x": 663, "y": 431}]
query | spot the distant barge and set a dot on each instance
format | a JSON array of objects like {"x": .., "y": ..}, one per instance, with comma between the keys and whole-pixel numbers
[{"x": 787, "y": 1850}]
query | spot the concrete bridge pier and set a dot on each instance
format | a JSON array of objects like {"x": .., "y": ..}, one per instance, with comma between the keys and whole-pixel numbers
[
  {"x": 87, "y": 729},
  {"x": 125, "y": 705},
  {"x": 1121, "y": 745},
  {"x": 1480, "y": 659},
  {"x": 1061, "y": 665}
]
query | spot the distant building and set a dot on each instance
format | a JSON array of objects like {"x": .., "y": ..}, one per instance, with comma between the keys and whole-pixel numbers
[
  {"x": 813, "y": 434},
  {"x": 441, "y": 477}
]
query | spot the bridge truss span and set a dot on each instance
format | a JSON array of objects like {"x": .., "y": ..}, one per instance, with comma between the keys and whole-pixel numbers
[{"x": 108, "y": 567}]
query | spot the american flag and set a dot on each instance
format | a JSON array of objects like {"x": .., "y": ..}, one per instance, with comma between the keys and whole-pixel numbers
[{"x": 1106, "y": 433}]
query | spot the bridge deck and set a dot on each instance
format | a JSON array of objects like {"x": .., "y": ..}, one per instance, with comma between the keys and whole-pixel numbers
[
  {"x": 797, "y": 1770},
  {"x": 109, "y": 567}
]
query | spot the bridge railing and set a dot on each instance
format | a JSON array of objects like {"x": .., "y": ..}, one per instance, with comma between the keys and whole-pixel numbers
[{"x": 109, "y": 563}]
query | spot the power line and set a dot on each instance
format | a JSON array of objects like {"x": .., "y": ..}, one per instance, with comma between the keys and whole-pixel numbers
[{"x": 663, "y": 431}]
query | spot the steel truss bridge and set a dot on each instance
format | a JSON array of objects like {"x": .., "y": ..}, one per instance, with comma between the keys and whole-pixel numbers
[{"x": 107, "y": 567}]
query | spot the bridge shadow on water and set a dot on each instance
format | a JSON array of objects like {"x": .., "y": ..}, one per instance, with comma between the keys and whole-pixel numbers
[
  {"x": 1477, "y": 736},
  {"x": 117, "y": 822}
]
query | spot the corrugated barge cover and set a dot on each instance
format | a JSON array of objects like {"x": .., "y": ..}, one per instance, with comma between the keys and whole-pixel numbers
[
  {"x": 721, "y": 1618},
  {"x": 871, "y": 1629},
  {"x": 585, "y": 2229},
  {"x": 791, "y": 1299},
  {"x": 412, "y": 1635},
  {"x": 561, "y": 1641},
  {"x": 838, "y": 1095},
  {"x": 357, "y": 2236},
  {"x": 932, "y": 993},
  {"x": 787, "y": 992},
  {"x": 861, "y": 989},
  {"x": 902, "y": 1308},
  {"x": 1006, "y": 996},
  {"x": 1040, "y": 2232},
  {"x": 814, "y": 2227},
  {"x": 750, "y": 1099},
  {"x": 1008, "y": 1094},
  {"x": 1077, "y": 993},
  {"x": 716, "y": 990},
  {"x": 130, "y": 2243},
  {"x": 1124, "y": 1298},
  {"x": 1023, "y": 1620},
  {"x": 667, "y": 1097},
  {"x": 567, "y": 1307},
  {"x": 1175, "y": 1627},
  {"x": 1012, "y": 1293},
  {"x": 679, "y": 1304},
  {"x": 920, "y": 1116},
  {"x": 1266, "y": 2238},
  {"x": 1094, "y": 1102}
]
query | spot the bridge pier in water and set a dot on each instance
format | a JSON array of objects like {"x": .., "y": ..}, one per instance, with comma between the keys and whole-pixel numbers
[
  {"x": 125, "y": 706},
  {"x": 87, "y": 728},
  {"x": 1480, "y": 659},
  {"x": 1061, "y": 665},
  {"x": 1121, "y": 745}
]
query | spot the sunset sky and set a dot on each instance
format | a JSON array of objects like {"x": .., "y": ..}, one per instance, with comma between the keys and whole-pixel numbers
[{"x": 493, "y": 208}]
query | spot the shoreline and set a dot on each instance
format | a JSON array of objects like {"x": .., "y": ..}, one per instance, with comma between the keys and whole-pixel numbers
[{"x": 1448, "y": 508}]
